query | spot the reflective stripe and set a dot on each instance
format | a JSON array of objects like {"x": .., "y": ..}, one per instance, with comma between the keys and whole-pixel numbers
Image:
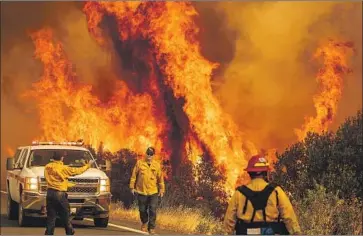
[{"x": 261, "y": 164}]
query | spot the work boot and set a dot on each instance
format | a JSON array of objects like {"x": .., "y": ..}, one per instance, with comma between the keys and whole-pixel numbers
[
  {"x": 152, "y": 231},
  {"x": 144, "y": 227}
]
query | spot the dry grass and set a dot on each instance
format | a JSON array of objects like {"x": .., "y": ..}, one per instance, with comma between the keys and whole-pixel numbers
[
  {"x": 181, "y": 219},
  {"x": 319, "y": 213},
  {"x": 119, "y": 212}
]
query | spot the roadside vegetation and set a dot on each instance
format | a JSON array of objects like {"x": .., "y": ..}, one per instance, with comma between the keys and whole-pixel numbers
[{"x": 323, "y": 176}]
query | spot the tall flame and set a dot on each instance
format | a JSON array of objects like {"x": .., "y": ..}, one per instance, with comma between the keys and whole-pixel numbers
[
  {"x": 178, "y": 56},
  {"x": 330, "y": 79},
  {"x": 69, "y": 111}
]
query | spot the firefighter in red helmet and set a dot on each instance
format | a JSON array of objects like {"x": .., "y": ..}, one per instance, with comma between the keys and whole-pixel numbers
[{"x": 260, "y": 207}]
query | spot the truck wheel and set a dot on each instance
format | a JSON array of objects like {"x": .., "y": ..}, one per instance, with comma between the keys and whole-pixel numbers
[
  {"x": 101, "y": 222},
  {"x": 12, "y": 208},
  {"x": 22, "y": 219}
]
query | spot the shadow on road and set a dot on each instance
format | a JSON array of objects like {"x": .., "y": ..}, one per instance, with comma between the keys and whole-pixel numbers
[
  {"x": 39, "y": 222},
  {"x": 7, "y": 223}
]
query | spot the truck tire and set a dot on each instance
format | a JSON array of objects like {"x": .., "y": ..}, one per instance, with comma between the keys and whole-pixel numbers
[
  {"x": 22, "y": 219},
  {"x": 101, "y": 222},
  {"x": 12, "y": 208}
]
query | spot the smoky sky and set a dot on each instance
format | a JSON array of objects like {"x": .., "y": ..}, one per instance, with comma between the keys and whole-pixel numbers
[{"x": 217, "y": 39}]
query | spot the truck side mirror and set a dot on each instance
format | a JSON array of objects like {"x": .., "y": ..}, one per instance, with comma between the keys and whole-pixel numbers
[{"x": 10, "y": 163}]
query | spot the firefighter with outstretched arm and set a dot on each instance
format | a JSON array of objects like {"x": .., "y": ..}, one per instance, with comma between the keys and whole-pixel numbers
[
  {"x": 56, "y": 175},
  {"x": 260, "y": 207}
]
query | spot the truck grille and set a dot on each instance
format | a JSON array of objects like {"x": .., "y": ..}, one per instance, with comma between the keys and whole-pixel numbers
[
  {"x": 82, "y": 190},
  {"x": 84, "y": 181},
  {"x": 83, "y": 185}
]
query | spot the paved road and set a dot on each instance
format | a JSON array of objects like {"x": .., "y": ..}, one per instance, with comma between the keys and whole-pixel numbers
[{"x": 8, "y": 227}]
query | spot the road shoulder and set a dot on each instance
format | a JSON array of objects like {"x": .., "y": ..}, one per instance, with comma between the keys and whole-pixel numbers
[{"x": 136, "y": 225}]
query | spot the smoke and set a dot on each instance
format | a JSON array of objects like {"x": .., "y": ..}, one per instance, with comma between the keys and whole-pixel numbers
[
  {"x": 269, "y": 84},
  {"x": 217, "y": 38}
]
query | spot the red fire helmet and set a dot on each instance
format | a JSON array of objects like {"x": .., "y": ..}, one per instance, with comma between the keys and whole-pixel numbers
[{"x": 258, "y": 163}]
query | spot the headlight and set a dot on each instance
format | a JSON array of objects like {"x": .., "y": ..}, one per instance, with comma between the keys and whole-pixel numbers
[
  {"x": 105, "y": 185},
  {"x": 31, "y": 183}
]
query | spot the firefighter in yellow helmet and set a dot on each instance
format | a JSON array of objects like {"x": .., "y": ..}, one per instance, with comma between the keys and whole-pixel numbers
[
  {"x": 260, "y": 207},
  {"x": 148, "y": 182}
]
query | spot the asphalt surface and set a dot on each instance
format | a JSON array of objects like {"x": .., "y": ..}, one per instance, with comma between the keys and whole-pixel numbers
[{"x": 10, "y": 227}]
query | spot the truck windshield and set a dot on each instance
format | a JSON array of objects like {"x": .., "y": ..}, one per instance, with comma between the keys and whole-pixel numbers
[{"x": 73, "y": 158}]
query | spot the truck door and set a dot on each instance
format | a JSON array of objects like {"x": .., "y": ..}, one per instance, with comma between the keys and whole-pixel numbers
[
  {"x": 11, "y": 174},
  {"x": 19, "y": 167}
]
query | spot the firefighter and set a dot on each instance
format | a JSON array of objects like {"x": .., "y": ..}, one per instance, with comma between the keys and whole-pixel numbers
[
  {"x": 260, "y": 207},
  {"x": 56, "y": 175},
  {"x": 148, "y": 183}
]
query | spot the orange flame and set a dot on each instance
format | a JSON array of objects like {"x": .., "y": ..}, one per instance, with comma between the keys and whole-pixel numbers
[
  {"x": 330, "y": 79},
  {"x": 69, "y": 111},
  {"x": 178, "y": 56}
]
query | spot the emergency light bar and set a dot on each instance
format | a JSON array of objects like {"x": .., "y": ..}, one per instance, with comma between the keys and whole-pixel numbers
[{"x": 79, "y": 143}]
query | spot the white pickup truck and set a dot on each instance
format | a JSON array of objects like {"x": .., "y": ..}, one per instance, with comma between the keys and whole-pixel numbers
[{"x": 27, "y": 188}]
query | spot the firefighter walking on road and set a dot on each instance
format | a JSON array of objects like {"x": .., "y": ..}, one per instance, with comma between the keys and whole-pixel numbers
[
  {"x": 56, "y": 175},
  {"x": 148, "y": 183},
  {"x": 260, "y": 207}
]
